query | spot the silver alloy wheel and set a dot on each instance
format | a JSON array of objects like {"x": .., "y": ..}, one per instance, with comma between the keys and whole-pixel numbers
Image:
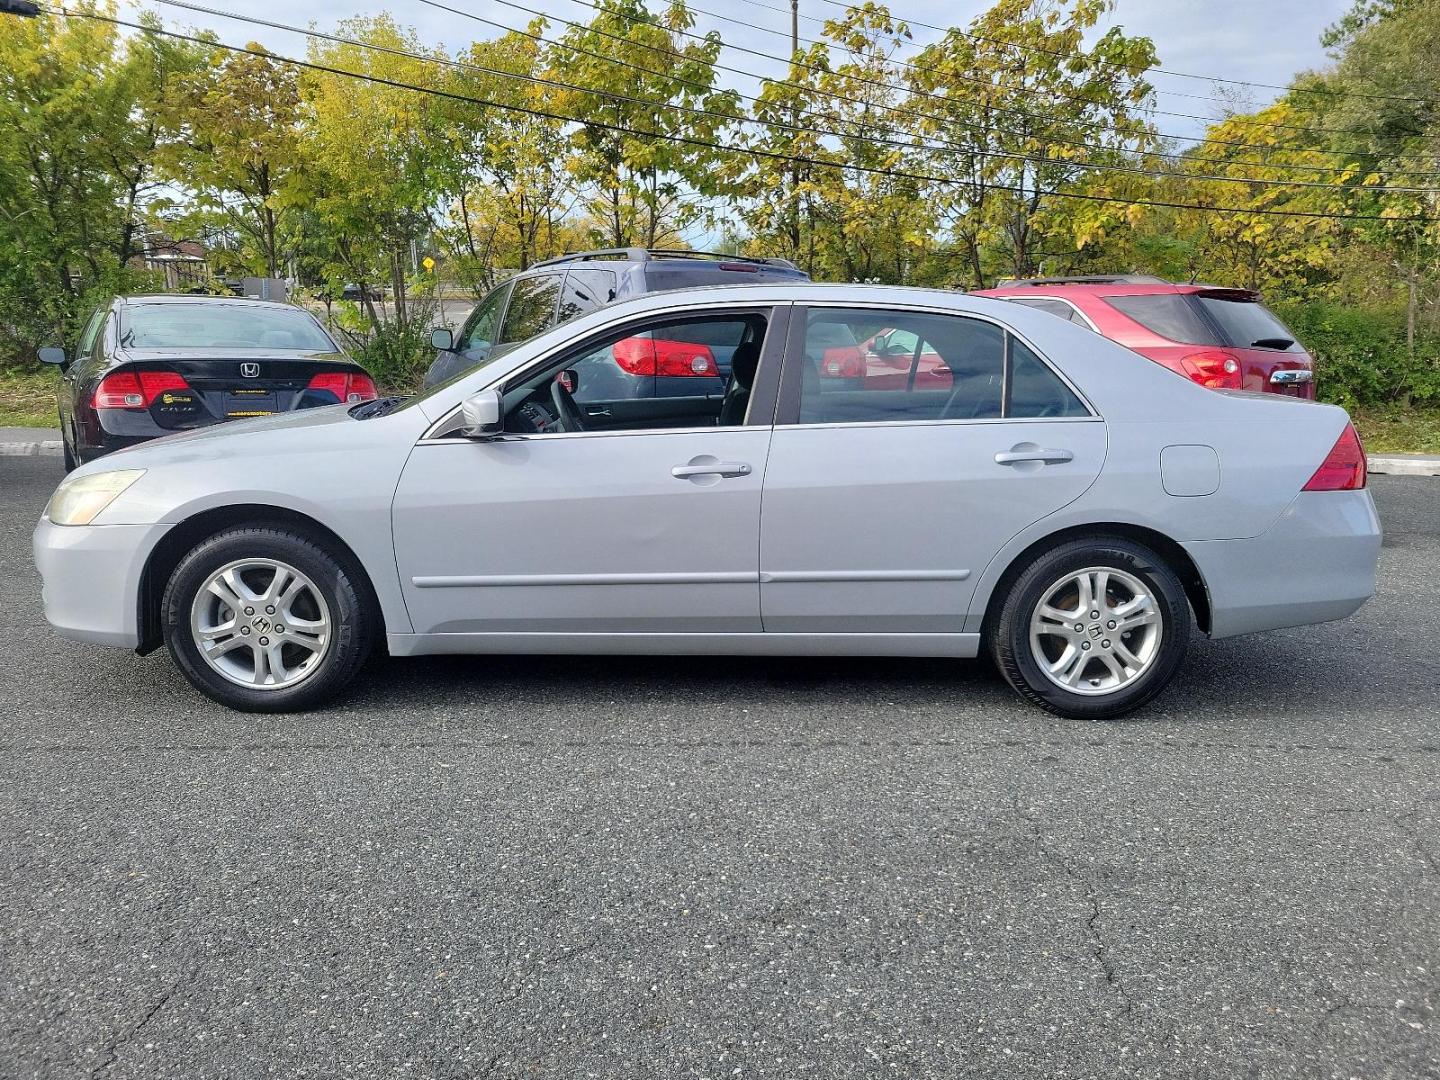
[
  {"x": 260, "y": 623},
  {"x": 1096, "y": 631}
]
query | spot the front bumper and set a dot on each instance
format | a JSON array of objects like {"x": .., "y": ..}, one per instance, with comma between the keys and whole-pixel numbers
[
  {"x": 91, "y": 576},
  {"x": 1315, "y": 564}
]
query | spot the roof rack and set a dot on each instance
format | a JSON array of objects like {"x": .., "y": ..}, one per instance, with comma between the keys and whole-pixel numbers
[
  {"x": 1085, "y": 279},
  {"x": 638, "y": 254}
]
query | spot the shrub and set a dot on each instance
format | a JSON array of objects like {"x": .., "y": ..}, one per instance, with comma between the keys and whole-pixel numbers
[{"x": 1361, "y": 357}]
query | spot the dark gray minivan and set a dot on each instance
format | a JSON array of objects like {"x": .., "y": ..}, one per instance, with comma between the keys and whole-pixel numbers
[{"x": 556, "y": 290}]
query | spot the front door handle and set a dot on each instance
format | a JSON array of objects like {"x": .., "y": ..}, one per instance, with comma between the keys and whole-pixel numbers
[
  {"x": 1046, "y": 457},
  {"x": 711, "y": 468}
]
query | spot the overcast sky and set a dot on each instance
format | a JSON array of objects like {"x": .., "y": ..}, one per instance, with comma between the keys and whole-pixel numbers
[{"x": 1265, "y": 41}]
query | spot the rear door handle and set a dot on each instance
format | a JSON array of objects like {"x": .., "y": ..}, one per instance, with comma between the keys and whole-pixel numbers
[
  {"x": 1047, "y": 457},
  {"x": 714, "y": 468}
]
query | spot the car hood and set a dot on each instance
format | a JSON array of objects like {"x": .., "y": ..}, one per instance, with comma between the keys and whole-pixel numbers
[{"x": 233, "y": 439}]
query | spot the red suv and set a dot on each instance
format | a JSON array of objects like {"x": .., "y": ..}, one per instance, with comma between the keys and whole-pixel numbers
[{"x": 1221, "y": 338}]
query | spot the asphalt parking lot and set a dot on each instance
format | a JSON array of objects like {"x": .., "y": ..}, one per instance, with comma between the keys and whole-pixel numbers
[{"x": 558, "y": 867}]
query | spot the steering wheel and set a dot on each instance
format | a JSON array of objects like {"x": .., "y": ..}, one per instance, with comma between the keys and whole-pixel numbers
[{"x": 566, "y": 411}]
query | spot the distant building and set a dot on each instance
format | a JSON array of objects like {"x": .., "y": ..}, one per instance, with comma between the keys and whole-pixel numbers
[{"x": 182, "y": 262}]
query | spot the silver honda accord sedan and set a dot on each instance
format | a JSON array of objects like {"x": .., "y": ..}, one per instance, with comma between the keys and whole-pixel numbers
[{"x": 891, "y": 472}]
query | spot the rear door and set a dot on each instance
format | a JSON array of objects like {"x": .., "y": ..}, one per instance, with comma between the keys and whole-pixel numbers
[{"x": 882, "y": 506}]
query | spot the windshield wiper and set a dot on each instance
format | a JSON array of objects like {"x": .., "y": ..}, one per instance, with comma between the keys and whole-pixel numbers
[{"x": 378, "y": 407}]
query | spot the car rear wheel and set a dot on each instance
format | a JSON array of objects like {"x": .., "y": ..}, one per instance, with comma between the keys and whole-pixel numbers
[
  {"x": 1093, "y": 629},
  {"x": 267, "y": 620}
]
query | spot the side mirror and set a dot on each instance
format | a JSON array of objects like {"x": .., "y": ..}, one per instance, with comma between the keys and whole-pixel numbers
[
  {"x": 442, "y": 339},
  {"x": 51, "y": 355},
  {"x": 483, "y": 415}
]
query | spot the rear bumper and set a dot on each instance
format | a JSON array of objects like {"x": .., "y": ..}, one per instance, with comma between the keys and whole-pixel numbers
[
  {"x": 1314, "y": 565},
  {"x": 91, "y": 576}
]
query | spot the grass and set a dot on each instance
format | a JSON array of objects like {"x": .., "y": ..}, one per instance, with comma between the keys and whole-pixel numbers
[
  {"x": 27, "y": 398},
  {"x": 1398, "y": 431}
]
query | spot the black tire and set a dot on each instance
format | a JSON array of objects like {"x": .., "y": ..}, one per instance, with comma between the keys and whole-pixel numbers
[
  {"x": 70, "y": 463},
  {"x": 355, "y": 621},
  {"x": 1010, "y": 642}
]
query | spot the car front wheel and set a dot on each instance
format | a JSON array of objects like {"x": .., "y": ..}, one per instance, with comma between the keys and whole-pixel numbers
[
  {"x": 1093, "y": 629},
  {"x": 267, "y": 620}
]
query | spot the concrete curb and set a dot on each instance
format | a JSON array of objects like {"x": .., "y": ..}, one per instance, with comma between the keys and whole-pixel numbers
[
  {"x": 35, "y": 448},
  {"x": 1404, "y": 464}
]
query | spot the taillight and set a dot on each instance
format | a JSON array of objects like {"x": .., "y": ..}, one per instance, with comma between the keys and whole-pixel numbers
[
  {"x": 1344, "y": 467},
  {"x": 842, "y": 362},
  {"x": 659, "y": 356},
  {"x": 347, "y": 386},
  {"x": 1213, "y": 368},
  {"x": 135, "y": 389}
]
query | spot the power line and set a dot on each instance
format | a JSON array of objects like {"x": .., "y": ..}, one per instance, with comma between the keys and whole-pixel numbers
[
  {"x": 707, "y": 144},
  {"x": 1157, "y": 69},
  {"x": 963, "y": 78},
  {"x": 874, "y": 140},
  {"x": 1163, "y": 155},
  {"x": 1094, "y": 124}
]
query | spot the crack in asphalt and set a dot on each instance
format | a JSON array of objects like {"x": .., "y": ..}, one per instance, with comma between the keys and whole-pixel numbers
[
  {"x": 112, "y": 1049},
  {"x": 1098, "y": 948},
  {"x": 1406, "y": 825}
]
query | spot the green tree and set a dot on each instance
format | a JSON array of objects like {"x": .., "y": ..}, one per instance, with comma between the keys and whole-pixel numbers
[
  {"x": 505, "y": 179},
  {"x": 637, "y": 188},
  {"x": 1030, "y": 103},
  {"x": 237, "y": 147},
  {"x": 79, "y": 128}
]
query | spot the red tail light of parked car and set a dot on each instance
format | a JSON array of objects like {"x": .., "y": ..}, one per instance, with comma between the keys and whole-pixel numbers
[
  {"x": 1213, "y": 368},
  {"x": 1344, "y": 468},
  {"x": 135, "y": 389},
  {"x": 347, "y": 386}
]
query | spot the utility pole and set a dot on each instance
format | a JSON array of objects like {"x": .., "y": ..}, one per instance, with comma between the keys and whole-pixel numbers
[{"x": 794, "y": 131}]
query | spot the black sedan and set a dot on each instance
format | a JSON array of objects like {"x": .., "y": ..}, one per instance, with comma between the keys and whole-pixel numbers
[{"x": 146, "y": 366}]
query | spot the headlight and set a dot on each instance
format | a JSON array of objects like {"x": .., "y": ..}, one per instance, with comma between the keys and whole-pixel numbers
[{"x": 78, "y": 501}]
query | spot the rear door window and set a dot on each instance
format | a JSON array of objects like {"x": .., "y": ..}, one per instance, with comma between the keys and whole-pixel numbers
[
  {"x": 1248, "y": 324},
  {"x": 585, "y": 291},
  {"x": 1171, "y": 315},
  {"x": 532, "y": 307}
]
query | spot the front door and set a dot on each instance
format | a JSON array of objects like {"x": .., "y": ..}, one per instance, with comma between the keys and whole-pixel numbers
[
  {"x": 886, "y": 497},
  {"x": 634, "y": 514}
]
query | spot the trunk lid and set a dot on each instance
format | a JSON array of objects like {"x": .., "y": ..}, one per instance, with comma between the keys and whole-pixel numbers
[{"x": 240, "y": 384}]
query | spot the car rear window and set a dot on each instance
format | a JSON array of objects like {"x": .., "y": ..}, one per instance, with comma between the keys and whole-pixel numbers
[
  {"x": 1245, "y": 322},
  {"x": 220, "y": 326},
  {"x": 1171, "y": 315}
]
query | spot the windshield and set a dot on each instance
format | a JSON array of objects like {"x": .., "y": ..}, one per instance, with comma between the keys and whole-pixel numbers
[{"x": 220, "y": 326}]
